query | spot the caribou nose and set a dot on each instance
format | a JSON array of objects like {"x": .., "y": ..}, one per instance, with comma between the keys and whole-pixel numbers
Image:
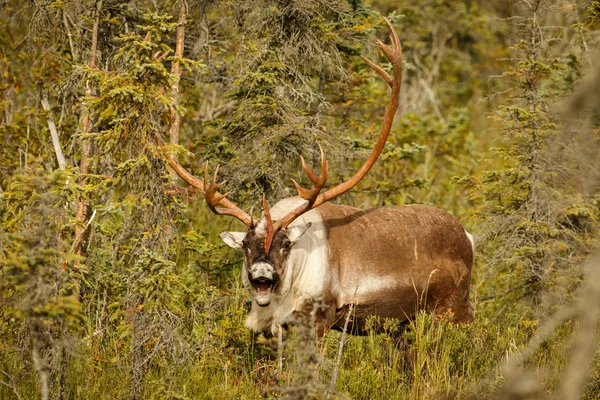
[{"x": 261, "y": 270}]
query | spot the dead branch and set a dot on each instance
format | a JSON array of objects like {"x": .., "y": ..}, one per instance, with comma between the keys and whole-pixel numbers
[{"x": 53, "y": 133}]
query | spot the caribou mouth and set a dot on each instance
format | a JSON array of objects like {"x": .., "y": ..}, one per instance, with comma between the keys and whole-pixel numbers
[{"x": 263, "y": 285}]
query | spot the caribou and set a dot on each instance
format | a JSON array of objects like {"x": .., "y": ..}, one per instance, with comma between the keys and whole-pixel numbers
[{"x": 313, "y": 257}]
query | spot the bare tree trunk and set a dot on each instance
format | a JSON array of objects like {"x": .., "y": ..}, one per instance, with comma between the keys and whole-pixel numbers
[
  {"x": 40, "y": 360},
  {"x": 138, "y": 364},
  {"x": 86, "y": 144},
  {"x": 176, "y": 72},
  {"x": 42, "y": 372},
  {"x": 54, "y": 133},
  {"x": 62, "y": 384}
]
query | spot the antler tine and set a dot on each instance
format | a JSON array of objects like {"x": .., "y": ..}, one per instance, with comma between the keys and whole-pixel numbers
[
  {"x": 396, "y": 45},
  {"x": 213, "y": 198},
  {"x": 395, "y": 53},
  {"x": 269, "y": 228},
  {"x": 387, "y": 50},
  {"x": 317, "y": 180},
  {"x": 379, "y": 70}
]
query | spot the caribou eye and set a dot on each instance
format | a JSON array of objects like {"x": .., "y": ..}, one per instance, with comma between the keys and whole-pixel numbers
[{"x": 286, "y": 245}]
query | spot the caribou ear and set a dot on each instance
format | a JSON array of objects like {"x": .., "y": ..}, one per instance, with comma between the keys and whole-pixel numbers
[
  {"x": 233, "y": 239},
  {"x": 295, "y": 232}
]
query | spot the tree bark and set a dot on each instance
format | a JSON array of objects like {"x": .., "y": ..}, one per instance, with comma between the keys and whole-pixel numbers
[
  {"x": 176, "y": 72},
  {"x": 40, "y": 359},
  {"x": 86, "y": 147}
]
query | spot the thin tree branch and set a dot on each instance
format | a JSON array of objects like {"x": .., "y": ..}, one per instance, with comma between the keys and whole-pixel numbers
[
  {"x": 280, "y": 350},
  {"x": 69, "y": 35},
  {"x": 336, "y": 371},
  {"x": 10, "y": 385},
  {"x": 585, "y": 46},
  {"x": 78, "y": 239},
  {"x": 432, "y": 99},
  {"x": 85, "y": 122}
]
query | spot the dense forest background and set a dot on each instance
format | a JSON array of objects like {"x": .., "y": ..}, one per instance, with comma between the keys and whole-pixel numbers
[{"x": 113, "y": 281}]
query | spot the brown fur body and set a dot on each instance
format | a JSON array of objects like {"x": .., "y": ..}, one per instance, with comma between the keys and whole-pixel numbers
[{"x": 392, "y": 261}]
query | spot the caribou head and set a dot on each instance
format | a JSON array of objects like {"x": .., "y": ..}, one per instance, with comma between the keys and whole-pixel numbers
[{"x": 265, "y": 266}]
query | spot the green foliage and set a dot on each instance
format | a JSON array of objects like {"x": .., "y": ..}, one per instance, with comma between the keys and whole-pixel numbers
[
  {"x": 38, "y": 297},
  {"x": 594, "y": 13},
  {"x": 133, "y": 98},
  {"x": 156, "y": 282},
  {"x": 525, "y": 203}
]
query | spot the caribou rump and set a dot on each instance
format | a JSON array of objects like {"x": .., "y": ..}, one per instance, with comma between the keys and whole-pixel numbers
[{"x": 310, "y": 256}]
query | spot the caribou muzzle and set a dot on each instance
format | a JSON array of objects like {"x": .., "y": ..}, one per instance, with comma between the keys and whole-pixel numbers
[{"x": 263, "y": 279}]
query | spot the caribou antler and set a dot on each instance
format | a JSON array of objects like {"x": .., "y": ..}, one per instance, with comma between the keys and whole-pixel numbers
[
  {"x": 312, "y": 196},
  {"x": 318, "y": 180},
  {"x": 210, "y": 191}
]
